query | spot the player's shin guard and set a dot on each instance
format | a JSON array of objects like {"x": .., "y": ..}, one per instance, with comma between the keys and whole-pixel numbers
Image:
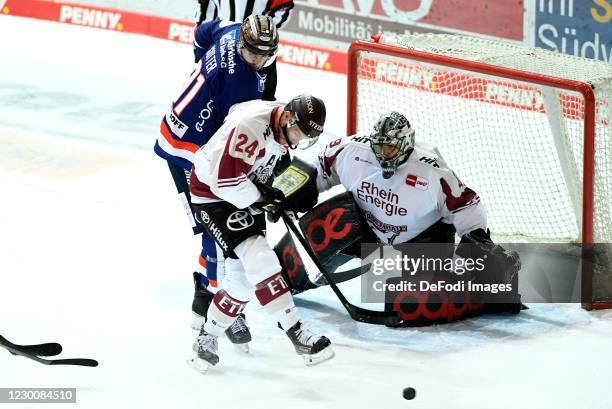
[
  {"x": 222, "y": 313},
  {"x": 273, "y": 294},
  {"x": 201, "y": 302}
]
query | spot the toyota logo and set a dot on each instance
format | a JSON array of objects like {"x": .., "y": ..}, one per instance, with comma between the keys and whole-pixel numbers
[
  {"x": 205, "y": 217},
  {"x": 240, "y": 220}
]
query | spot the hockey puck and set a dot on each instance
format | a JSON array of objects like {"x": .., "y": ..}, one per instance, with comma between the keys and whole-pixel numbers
[{"x": 409, "y": 393}]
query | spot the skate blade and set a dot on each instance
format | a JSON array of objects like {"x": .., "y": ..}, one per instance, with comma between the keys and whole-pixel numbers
[
  {"x": 320, "y": 357},
  {"x": 198, "y": 322},
  {"x": 242, "y": 348},
  {"x": 199, "y": 364}
]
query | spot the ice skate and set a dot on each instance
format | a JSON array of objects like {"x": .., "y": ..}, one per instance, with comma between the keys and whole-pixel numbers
[
  {"x": 238, "y": 333},
  {"x": 205, "y": 348},
  {"x": 314, "y": 348}
]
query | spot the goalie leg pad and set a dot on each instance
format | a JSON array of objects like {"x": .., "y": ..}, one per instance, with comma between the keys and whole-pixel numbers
[{"x": 293, "y": 268}]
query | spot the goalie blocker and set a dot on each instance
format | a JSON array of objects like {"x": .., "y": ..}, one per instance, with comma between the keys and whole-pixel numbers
[{"x": 335, "y": 230}]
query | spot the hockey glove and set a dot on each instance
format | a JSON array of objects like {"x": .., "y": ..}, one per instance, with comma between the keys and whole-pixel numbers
[
  {"x": 482, "y": 238},
  {"x": 274, "y": 200}
]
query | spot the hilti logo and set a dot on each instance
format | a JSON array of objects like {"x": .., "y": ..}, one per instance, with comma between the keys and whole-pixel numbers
[
  {"x": 432, "y": 161},
  {"x": 229, "y": 306},
  {"x": 90, "y": 17}
]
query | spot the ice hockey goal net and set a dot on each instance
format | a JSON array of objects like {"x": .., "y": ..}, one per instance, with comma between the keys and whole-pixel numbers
[{"x": 529, "y": 129}]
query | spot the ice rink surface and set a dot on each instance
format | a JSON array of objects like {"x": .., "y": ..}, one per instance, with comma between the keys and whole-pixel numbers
[{"x": 96, "y": 253}]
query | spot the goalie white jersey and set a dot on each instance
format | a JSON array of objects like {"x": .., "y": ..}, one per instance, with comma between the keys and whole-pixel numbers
[{"x": 421, "y": 192}]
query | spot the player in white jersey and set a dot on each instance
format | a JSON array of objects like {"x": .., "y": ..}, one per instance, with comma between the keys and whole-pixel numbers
[
  {"x": 230, "y": 185},
  {"x": 402, "y": 189},
  {"x": 408, "y": 194}
]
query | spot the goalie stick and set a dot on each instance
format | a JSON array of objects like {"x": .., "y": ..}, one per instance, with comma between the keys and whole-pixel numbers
[
  {"x": 356, "y": 313},
  {"x": 35, "y": 351}
]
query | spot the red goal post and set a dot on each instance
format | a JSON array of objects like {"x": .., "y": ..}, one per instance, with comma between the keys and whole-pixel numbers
[{"x": 550, "y": 103}]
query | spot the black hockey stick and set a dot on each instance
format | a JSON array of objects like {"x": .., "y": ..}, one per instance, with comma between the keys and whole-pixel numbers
[
  {"x": 356, "y": 313},
  {"x": 48, "y": 349},
  {"x": 343, "y": 276}
]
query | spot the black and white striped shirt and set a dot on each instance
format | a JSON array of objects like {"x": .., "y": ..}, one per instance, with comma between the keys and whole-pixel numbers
[{"x": 238, "y": 10}]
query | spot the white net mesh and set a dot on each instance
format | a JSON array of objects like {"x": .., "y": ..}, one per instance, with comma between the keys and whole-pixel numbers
[{"x": 519, "y": 145}]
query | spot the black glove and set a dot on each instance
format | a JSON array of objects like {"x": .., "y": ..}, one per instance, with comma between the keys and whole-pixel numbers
[
  {"x": 274, "y": 199},
  {"x": 482, "y": 238}
]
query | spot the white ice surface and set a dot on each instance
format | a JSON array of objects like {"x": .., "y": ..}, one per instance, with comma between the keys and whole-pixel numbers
[{"x": 95, "y": 252}]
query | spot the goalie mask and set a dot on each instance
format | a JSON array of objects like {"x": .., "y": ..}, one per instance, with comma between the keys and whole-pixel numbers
[{"x": 392, "y": 141}]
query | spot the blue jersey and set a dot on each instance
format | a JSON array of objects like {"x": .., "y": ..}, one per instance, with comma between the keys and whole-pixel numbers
[{"x": 220, "y": 80}]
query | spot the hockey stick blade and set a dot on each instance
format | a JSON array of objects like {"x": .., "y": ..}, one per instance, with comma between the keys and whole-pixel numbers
[
  {"x": 46, "y": 349},
  {"x": 16, "y": 350},
  {"x": 74, "y": 361},
  {"x": 356, "y": 313}
]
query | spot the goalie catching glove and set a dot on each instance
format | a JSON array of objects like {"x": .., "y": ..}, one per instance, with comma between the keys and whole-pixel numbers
[{"x": 482, "y": 238}]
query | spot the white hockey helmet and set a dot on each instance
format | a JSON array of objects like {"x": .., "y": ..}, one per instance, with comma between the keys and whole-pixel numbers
[{"x": 392, "y": 141}]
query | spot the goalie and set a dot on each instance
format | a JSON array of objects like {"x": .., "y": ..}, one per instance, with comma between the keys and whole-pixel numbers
[{"x": 403, "y": 193}]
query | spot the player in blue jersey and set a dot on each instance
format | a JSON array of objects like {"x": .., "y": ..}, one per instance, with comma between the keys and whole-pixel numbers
[
  {"x": 230, "y": 54},
  {"x": 238, "y": 10}
]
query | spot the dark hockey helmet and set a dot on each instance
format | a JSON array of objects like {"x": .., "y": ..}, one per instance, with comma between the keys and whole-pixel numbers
[
  {"x": 392, "y": 141},
  {"x": 309, "y": 115},
  {"x": 258, "y": 35}
]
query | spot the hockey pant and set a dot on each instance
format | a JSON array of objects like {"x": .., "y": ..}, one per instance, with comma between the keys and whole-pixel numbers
[
  {"x": 251, "y": 267},
  {"x": 210, "y": 260}
]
